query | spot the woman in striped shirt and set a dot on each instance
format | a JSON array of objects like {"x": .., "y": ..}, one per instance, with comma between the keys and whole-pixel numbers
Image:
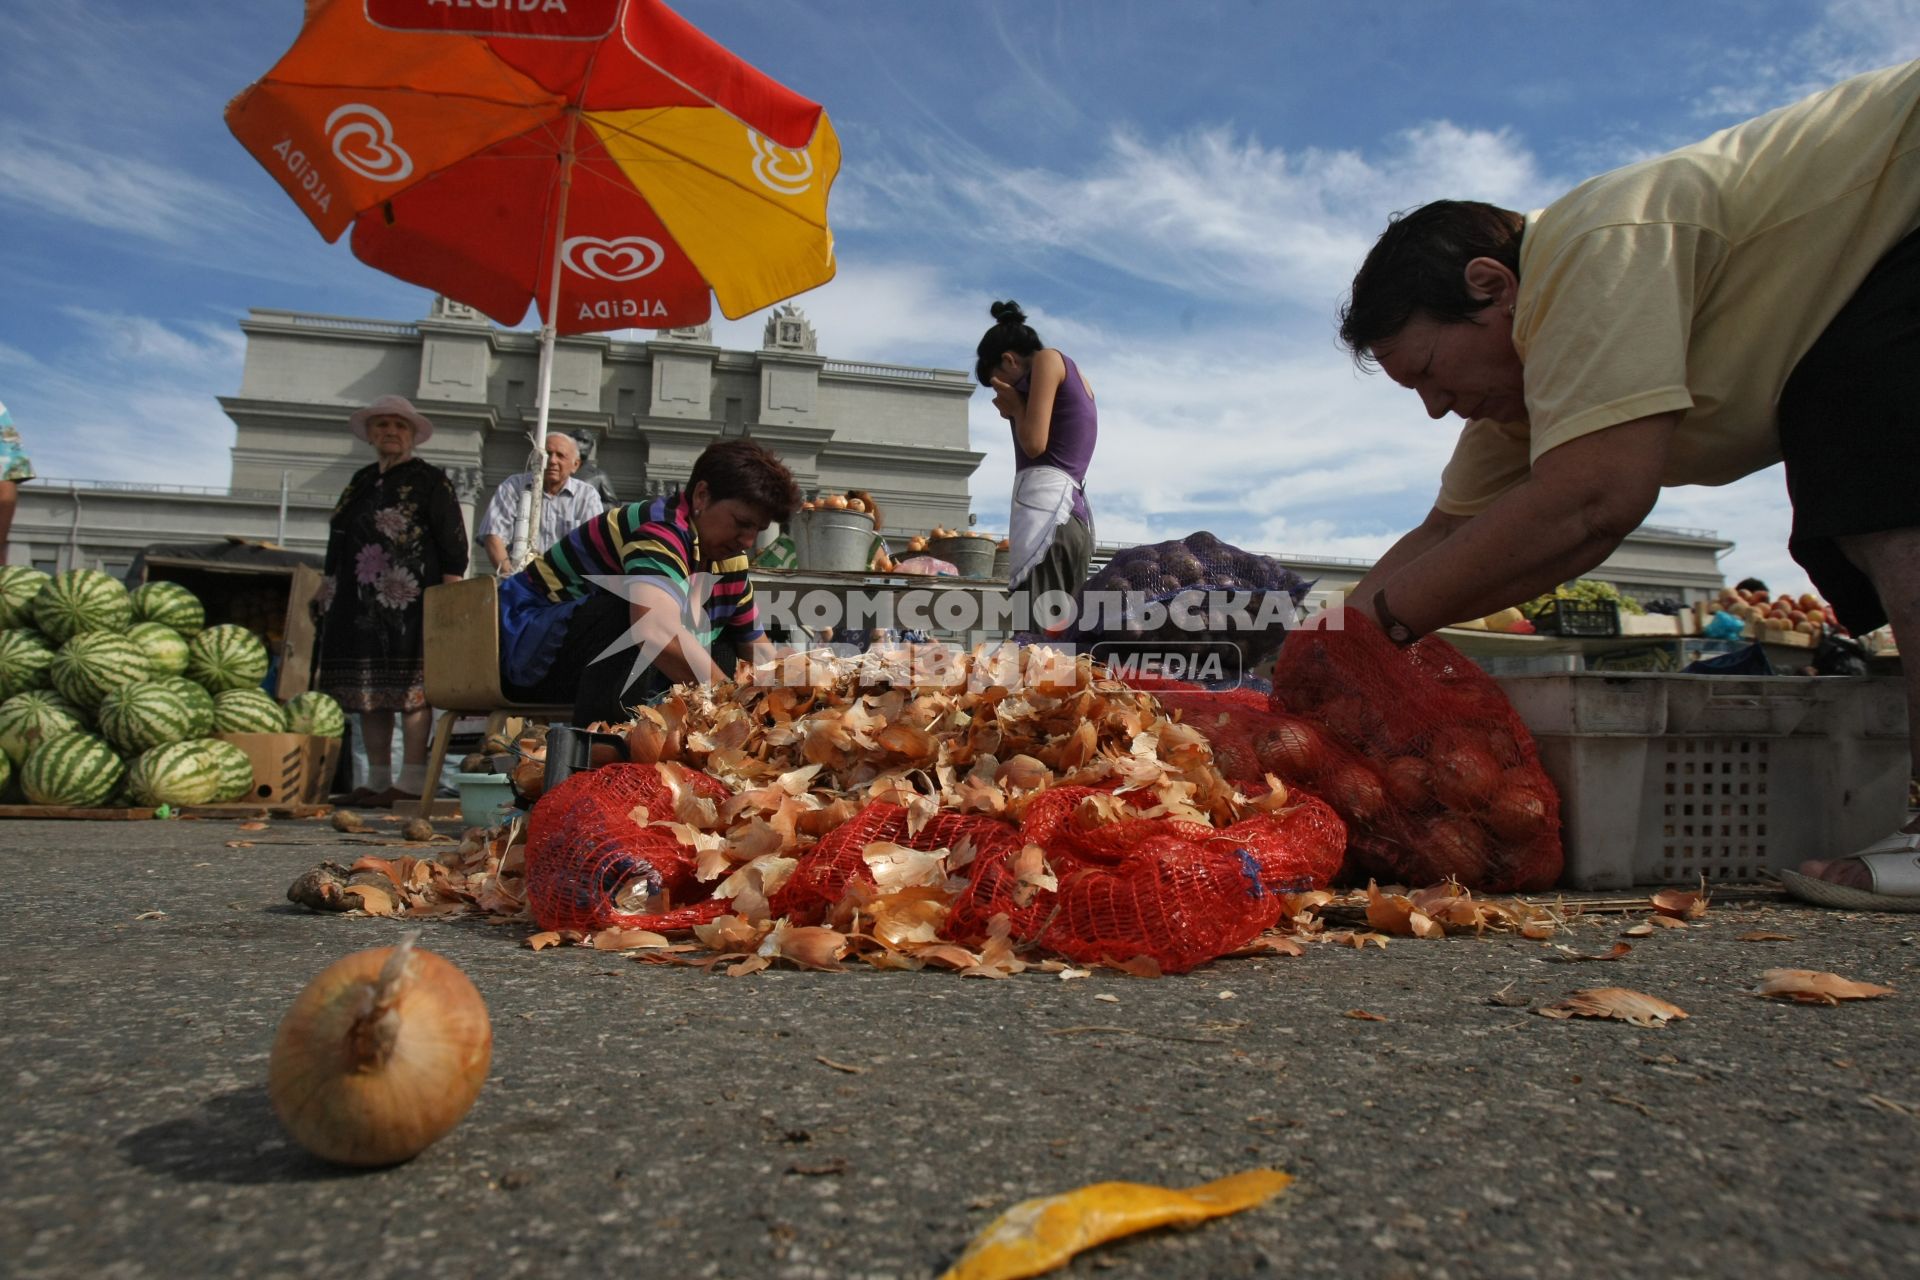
[{"x": 637, "y": 600}]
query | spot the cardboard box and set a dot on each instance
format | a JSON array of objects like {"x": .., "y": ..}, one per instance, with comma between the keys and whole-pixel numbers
[
  {"x": 255, "y": 586},
  {"x": 288, "y": 768}
]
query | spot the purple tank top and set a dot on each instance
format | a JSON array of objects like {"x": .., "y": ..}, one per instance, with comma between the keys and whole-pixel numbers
[{"x": 1070, "y": 435}]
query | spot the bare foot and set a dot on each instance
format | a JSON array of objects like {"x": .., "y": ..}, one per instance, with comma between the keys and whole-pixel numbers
[{"x": 1850, "y": 872}]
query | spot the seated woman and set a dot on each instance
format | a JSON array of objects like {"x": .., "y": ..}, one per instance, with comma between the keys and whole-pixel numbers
[{"x": 648, "y": 595}]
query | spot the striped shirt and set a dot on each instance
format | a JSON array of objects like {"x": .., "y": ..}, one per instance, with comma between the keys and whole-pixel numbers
[{"x": 654, "y": 542}]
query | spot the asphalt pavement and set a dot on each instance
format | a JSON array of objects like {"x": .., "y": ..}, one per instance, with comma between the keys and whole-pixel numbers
[{"x": 648, "y": 1120}]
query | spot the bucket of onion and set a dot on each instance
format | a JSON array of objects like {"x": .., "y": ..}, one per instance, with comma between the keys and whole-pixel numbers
[{"x": 380, "y": 1057}]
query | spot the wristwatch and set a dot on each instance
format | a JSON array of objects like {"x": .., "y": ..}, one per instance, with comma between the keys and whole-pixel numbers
[{"x": 1397, "y": 631}]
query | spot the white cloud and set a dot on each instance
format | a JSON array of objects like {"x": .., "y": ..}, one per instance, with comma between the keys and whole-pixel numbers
[
  {"x": 115, "y": 193},
  {"x": 1848, "y": 38},
  {"x": 885, "y": 311},
  {"x": 136, "y": 404},
  {"x": 1209, "y": 212},
  {"x": 142, "y": 340},
  {"x": 1753, "y": 513}
]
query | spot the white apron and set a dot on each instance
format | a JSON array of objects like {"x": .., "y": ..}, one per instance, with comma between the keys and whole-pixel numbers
[{"x": 1042, "y": 502}]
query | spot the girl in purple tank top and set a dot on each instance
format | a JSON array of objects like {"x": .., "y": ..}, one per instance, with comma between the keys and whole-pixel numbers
[{"x": 1045, "y": 399}]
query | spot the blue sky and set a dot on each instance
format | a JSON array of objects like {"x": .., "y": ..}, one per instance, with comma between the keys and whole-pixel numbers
[{"x": 1177, "y": 192}]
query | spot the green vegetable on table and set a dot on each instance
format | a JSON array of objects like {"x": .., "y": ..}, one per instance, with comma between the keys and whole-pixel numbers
[{"x": 1583, "y": 591}]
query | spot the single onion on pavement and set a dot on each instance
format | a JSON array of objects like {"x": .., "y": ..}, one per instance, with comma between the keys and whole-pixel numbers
[{"x": 380, "y": 1056}]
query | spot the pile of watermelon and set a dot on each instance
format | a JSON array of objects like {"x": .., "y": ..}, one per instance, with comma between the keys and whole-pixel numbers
[{"x": 112, "y": 697}]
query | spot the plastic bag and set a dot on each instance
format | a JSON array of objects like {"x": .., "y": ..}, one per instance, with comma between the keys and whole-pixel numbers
[
  {"x": 1748, "y": 661},
  {"x": 1723, "y": 626}
]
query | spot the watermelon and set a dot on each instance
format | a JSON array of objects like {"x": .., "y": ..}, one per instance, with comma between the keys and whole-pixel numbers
[
  {"x": 137, "y": 717},
  {"x": 316, "y": 713},
  {"x": 227, "y": 657},
  {"x": 199, "y": 704},
  {"x": 234, "y": 770},
  {"x": 79, "y": 601},
  {"x": 19, "y": 584},
  {"x": 171, "y": 605},
  {"x": 176, "y": 773},
  {"x": 247, "y": 711},
  {"x": 24, "y": 659},
  {"x": 94, "y": 663},
  {"x": 74, "y": 769},
  {"x": 166, "y": 649},
  {"x": 28, "y": 719},
  {"x": 6, "y": 774}
]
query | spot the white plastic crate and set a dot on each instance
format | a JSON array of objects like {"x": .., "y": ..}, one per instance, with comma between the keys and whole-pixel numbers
[{"x": 1666, "y": 778}]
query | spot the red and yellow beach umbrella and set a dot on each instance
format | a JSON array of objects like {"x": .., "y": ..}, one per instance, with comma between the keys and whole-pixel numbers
[
  {"x": 599, "y": 159},
  {"x": 499, "y": 150}
]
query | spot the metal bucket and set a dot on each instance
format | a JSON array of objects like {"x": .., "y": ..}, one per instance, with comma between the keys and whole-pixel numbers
[
  {"x": 833, "y": 541},
  {"x": 971, "y": 554},
  {"x": 1002, "y": 561}
]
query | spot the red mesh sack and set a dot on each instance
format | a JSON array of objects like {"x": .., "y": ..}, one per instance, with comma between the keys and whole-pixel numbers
[
  {"x": 1420, "y": 752},
  {"x": 824, "y": 871},
  {"x": 1297, "y": 849},
  {"x": 584, "y": 844},
  {"x": 1233, "y": 720},
  {"x": 1178, "y": 893}
]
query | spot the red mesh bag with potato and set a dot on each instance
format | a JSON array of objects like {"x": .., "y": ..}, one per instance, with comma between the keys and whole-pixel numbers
[
  {"x": 824, "y": 871},
  {"x": 1420, "y": 752},
  {"x": 591, "y": 857},
  {"x": 1233, "y": 720},
  {"x": 1126, "y": 889}
]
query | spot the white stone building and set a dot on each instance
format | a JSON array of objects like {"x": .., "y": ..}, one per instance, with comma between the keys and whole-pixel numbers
[{"x": 648, "y": 408}]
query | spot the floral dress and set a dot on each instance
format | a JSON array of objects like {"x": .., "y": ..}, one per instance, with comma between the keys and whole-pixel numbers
[{"x": 393, "y": 534}]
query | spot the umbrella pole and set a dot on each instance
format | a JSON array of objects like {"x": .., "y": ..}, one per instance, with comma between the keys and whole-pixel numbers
[{"x": 527, "y": 520}]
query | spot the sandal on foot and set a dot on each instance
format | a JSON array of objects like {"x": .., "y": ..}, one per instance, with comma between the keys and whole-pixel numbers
[{"x": 1894, "y": 864}]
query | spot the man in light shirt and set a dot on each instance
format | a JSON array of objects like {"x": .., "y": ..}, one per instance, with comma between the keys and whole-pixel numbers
[{"x": 568, "y": 503}]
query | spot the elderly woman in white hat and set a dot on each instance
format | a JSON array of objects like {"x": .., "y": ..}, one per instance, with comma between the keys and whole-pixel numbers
[{"x": 396, "y": 531}]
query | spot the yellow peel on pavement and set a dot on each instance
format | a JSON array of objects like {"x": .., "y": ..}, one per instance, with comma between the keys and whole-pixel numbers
[{"x": 1035, "y": 1236}]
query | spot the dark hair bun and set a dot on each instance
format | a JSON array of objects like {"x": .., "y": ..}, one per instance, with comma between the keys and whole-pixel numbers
[{"x": 1008, "y": 312}]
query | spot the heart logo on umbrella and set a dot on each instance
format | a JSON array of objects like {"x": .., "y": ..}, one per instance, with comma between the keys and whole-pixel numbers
[
  {"x": 628, "y": 258},
  {"x": 362, "y": 138},
  {"x": 779, "y": 168}
]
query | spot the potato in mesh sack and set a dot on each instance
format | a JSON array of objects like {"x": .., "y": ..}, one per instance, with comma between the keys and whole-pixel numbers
[
  {"x": 1188, "y": 593},
  {"x": 1420, "y": 752}
]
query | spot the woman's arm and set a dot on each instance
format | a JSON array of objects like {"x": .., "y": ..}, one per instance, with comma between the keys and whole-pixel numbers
[
  {"x": 1413, "y": 544},
  {"x": 663, "y": 641},
  {"x": 1582, "y": 499},
  {"x": 1032, "y": 418}
]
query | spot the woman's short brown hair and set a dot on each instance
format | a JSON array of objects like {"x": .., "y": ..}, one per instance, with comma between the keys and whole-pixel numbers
[
  {"x": 1418, "y": 267},
  {"x": 749, "y": 472}
]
